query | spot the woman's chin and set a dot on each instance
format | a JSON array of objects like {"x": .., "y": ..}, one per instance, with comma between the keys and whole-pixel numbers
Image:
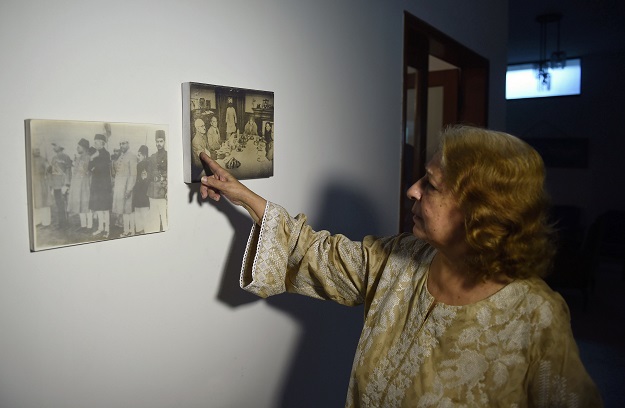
[{"x": 418, "y": 232}]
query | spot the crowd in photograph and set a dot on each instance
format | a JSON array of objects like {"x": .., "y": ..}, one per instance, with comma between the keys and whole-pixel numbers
[{"x": 98, "y": 188}]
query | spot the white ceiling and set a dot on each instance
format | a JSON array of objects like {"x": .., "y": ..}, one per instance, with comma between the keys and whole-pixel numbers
[{"x": 587, "y": 27}]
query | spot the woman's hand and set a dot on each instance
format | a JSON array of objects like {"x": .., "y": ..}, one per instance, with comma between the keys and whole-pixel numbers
[{"x": 222, "y": 183}]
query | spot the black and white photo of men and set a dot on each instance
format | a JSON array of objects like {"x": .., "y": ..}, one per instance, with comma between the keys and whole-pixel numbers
[{"x": 82, "y": 178}]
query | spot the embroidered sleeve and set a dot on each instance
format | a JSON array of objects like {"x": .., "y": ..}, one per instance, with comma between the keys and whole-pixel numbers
[
  {"x": 285, "y": 254},
  {"x": 557, "y": 375}
]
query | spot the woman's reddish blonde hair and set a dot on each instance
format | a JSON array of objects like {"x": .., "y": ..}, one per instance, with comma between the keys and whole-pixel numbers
[{"x": 498, "y": 181}]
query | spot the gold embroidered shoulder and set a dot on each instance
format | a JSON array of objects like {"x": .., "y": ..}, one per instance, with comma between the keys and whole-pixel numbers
[{"x": 513, "y": 349}]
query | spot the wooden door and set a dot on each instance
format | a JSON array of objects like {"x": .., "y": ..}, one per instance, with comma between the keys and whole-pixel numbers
[{"x": 462, "y": 91}]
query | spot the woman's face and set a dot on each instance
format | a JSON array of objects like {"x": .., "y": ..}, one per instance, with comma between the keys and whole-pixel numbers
[{"x": 436, "y": 215}]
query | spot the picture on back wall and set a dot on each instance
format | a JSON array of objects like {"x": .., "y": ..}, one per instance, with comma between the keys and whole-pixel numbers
[
  {"x": 94, "y": 181},
  {"x": 234, "y": 126}
]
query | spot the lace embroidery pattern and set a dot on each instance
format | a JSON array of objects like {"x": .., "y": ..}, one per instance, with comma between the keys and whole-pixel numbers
[
  {"x": 554, "y": 390},
  {"x": 267, "y": 275}
]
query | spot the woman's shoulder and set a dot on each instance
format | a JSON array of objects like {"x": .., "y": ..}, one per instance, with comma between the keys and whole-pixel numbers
[
  {"x": 537, "y": 289},
  {"x": 533, "y": 298},
  {"x": 400, "y": 253}
]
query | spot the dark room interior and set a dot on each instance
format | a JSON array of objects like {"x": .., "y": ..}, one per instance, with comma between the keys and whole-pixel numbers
[{"x": 587, "y": 195}]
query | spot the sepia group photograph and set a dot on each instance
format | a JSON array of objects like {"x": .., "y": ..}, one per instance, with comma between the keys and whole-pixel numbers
[
  {"x": 94, "y": 181},
  {"x": 234, "y": 126}
]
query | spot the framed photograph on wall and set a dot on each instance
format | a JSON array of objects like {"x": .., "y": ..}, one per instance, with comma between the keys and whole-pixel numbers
[
  {"x": 94, "y": 181},
  {"x": 234, "y": 126}
]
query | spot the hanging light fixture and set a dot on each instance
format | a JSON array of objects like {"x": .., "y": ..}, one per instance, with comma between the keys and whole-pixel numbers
[{"x": 558, "y": 57}]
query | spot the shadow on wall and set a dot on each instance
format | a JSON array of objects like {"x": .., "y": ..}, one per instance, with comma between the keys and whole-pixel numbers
[
  {"x": 229, "y": 291},
  {"x": 319, "y": 372}
]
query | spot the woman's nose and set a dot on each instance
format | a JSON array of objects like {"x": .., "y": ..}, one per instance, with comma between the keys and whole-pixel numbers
[{"x": 414, "y": 192}]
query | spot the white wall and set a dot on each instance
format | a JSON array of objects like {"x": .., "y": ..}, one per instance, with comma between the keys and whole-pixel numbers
[{"x": 158, "y": 321}]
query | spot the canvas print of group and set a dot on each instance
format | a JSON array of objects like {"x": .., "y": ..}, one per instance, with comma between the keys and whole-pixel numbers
[
  {"x": 234, "y": 126},
  {"x": 94, "y": 181}
]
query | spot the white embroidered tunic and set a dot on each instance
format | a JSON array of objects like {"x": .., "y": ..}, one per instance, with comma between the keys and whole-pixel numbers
[{"x": 512, "y": 349}]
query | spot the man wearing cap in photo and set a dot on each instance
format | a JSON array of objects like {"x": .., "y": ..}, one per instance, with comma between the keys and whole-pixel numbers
[
  {"x": 140, "y": 200},
  {"x": 60, "y": 172},
  {"x": 157, "y": 188},
  {"x": 80, "y": 188},
  {"x": 231, "y": 118},
  {"x": 40, "y": 189},
  {"x": 125, "y": 178},
  {"x": 101, "y": 197}
]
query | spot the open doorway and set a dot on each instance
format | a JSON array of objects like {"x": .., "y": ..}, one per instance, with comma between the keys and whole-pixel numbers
[{"x": 444, "y": 83}]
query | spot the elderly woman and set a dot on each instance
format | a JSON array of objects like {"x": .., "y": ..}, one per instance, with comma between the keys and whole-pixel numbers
[{"x": 456, "y": 313}]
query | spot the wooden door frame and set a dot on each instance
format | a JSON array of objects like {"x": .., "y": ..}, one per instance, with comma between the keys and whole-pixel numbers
[
  {"x": 420, "y": 41},
  {"x": 449, "y": 80}
]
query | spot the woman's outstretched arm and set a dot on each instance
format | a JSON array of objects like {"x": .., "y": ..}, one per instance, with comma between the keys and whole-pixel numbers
[{"x": 222, "y": 183}]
